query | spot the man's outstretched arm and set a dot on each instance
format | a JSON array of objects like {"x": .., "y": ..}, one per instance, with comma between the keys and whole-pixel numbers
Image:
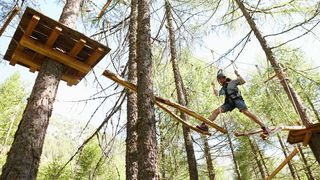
[
  {"x": 215, "y": 91},
  {"x": 239, "y": 78}
]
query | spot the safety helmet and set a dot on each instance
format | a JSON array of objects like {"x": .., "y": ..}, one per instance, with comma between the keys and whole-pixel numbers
[{"x": 220, "y": 74}]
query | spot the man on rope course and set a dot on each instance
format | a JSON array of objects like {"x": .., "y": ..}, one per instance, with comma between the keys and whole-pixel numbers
[{"x": 233, "y": 99}]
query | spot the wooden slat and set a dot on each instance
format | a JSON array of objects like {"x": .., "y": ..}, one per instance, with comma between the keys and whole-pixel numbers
[
  {"x": 273, "y": 76},
  {"x": 54, "y": 55},
  {"x": 306, "y": 139},
  {"x": 12, "y": 15},
  {"x": 77, "y": 48},
  {"x": 104, "y": 8},
  {"x": 95, "y": 56},
  {"x": 275, "y": 172},
  {"x": 53, "y": 36},
  {"x": 20, "y": 56},
  {"x": 181, "y": 120},
  {"x": 32, "y": 25},
  {"x": 257, "y": 131},
  {"x": 184, "y": 109},
  {"x": 49, "y": 43},
  {"x": 25, "y": 59}
]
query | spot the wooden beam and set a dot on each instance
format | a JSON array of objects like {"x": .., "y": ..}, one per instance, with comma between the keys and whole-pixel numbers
[
  {"x": 273, "y": 76},
  {"x": 54, "y": 55},
  {"x": 104, "y": 8},
  {"x": 184, "y": 109},
  {"x": 94, "y": 56},
  {"x": 185, "y": 123},
  {"x": 77, "y": 48},
  {"x": 26, "y": 59},
  {"x": 20, "y": 56},
  {"x": 53, "y": 36},
  {"x": 257, "y": 131},
  {"x": 291, "y": 155},
  {"x": 306, "y": 138},
  {"x": 12, "y": 15},
  {"x": 32, "y": 25}
]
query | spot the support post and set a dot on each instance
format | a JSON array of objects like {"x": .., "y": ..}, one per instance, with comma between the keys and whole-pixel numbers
[{"x": 291, "y": 155}]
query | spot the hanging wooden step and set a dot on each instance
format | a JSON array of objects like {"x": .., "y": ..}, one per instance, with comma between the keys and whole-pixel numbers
[
  {"x": 303, "y": 135},
  {"x": 39, "y": 37},
  {"x": 181, "y": 108}
]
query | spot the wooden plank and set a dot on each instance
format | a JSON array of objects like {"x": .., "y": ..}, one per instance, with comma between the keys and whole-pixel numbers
[
  {"x": 190, "y": 113},
  {"x": 291, "y": 155},
  {"x": 104, "y": 8},
  {"x": 54, "y": 55},
  {"x": 12, "y": 15},
  {"x": 32, "y": 25},
  {"x": 257, "y": 131},
  {"x": 20, "y": 56},
  {"x": 53, "y": 36},
  {"x": 77, "y": 48},
  {"x": 185, "y": 123},
  {"x": 95, "y": 56},
  {"x": 184, "y": 109},
  {"x": 273, "y": 76},
  {"x": 306, "y": 139},
  {"x": 26, "y": 59}
]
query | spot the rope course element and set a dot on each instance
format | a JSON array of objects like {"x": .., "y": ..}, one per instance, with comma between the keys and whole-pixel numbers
[
  {"x": 159, "y": 100},
  {"x": 276, "y": 171},
  {"x": 104, "y": 8},
  {"x": 12, "y": 15}
]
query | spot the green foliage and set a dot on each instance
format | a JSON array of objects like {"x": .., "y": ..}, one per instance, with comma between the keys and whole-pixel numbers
[
  {"x": 12, "y": 95},
  {"x": 52, "y": 171}
]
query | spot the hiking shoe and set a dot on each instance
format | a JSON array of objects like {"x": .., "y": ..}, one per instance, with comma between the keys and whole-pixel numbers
[
  {"x": 203, "y": 127},
  {"x": 266, "y": 130}
]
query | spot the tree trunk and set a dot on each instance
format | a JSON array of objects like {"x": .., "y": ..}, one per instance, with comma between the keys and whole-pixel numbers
[
  {"x": 292, "y": 95},
  {"x": 291, "y": 168},
  {"x": 207, "y": 154},
  {"x": 255, "y": 154},
  {"x": 24, "y": 156},
  {"x": 306, "y": 165},
  {"x": 146, "y": 130},
  {"x": 261, "y": 157},
  {"x": 236, "y": 166},
  {"x": 132, "y": 110},
  {"x": 182, "y": 98}
]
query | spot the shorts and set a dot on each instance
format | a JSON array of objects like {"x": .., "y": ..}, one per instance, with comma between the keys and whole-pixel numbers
[{"x": 230, "y": 104}]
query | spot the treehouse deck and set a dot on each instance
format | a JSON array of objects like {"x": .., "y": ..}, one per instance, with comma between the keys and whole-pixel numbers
[
  {"x": 303, "y": 135},
  {"x": 38, "y": 37}
]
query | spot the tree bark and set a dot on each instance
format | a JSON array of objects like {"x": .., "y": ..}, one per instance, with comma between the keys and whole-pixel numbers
[
  {"x": 236, "y": 166},
  {"x": 306, "y": 165},
  {"x": 146, "y": 130},
  {"x": 132, "y": 110},
  {"x": 261, "y": 157},
  {"x": 285, "y": 153},
  {"x": 255, "y": 154},
  {"x": 292, "y": 95},
  {"x": 207, "y": 154},
  {"x": 182, "y": 98},
  {"x": 24, "y": 156}
]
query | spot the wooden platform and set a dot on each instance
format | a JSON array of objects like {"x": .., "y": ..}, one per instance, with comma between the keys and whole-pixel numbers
[
  {"x": 38, "y": 37},
  {"x": 303, "y": 135}
]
